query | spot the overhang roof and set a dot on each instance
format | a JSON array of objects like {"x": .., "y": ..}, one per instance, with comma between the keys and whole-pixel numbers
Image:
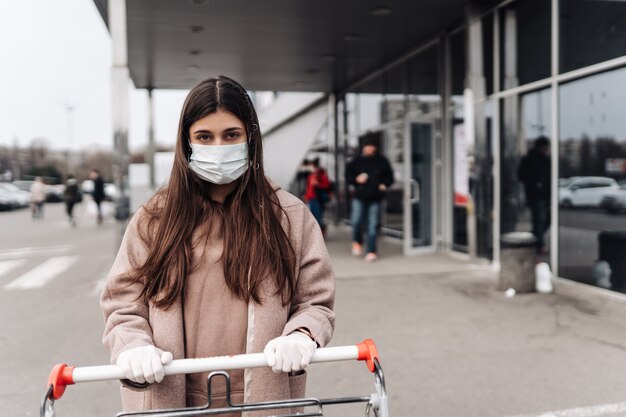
[{"x": 276, "y": 45}]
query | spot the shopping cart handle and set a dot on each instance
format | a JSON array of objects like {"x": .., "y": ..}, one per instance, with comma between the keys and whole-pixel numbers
[{"x": 63, "y": 375}]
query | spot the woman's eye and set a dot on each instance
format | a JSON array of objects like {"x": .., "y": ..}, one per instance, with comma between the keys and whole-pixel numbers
[
  {"x": 232, "y": 135},
  {"x": 203, "y": 137}
]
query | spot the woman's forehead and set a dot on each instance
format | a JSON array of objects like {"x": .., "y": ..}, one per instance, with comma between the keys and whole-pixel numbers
[{"x": 217, "y": 121}]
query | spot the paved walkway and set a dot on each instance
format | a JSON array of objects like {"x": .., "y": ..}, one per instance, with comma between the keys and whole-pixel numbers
[{"x": 452, "y": 345}]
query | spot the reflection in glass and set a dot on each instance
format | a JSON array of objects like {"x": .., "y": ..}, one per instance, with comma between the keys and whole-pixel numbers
[
  {"x": 525, "y": 119},
  {"x": 525, "y": 43},
  {"x": 592, "y": 171},
  {"x": 460, "y": 181},
  {"x": 481, "y": 179},
  {"x": 591, "y": 32}
]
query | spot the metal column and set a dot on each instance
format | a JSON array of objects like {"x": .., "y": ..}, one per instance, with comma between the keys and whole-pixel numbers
[
  {"x": 151, "y": 145},
  {"x": 119, "y": 102},
  {"x": 481, "y": 194},
  {"x": 554, "y": 203}
]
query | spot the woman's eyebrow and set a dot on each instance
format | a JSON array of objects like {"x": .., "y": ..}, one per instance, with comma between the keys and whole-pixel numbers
[
  {"x": 202, "y": 131},
  {"x": 230, "y": 129}
]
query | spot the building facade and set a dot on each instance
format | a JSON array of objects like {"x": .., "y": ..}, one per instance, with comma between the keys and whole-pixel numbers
[
  {"x": 456, "y": 115},
  {"x": 456, "y": 92}
]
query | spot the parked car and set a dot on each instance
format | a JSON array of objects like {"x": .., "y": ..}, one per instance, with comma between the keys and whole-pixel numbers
[
  {"x": 615, "y": 200},
  {"x": 586, "y": 191},
  {"x": 23, "y": 197},
  {"x": 23, "y": 184},
  {"x": 7, "y": 202},
  {"x": 54, "y": 193}
]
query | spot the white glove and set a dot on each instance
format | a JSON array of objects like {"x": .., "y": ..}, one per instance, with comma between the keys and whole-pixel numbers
[
  {"x": 144, "y": 364},
  {"x": 290, "y": 353}
]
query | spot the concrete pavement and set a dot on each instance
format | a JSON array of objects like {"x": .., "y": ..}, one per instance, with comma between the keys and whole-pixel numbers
[{"x": 451, "y": 345}]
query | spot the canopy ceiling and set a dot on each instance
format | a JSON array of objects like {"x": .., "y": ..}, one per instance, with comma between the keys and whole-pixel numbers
[{"x": 278, "y": 45}]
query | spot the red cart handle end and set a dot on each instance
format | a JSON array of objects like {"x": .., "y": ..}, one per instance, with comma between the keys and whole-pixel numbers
[
  {"x": 60, "y": 377},
  {"x": 367, "y": 353}
]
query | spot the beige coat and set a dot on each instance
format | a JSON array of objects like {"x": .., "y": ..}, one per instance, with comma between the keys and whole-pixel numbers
[{"x": 131, "y": 323}]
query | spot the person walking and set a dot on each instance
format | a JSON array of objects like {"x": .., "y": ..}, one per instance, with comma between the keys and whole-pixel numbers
[
  {"x": 98, "y": 192},
  {"x": 317, "y": 193},
  {"x": 39, "y": 194},
  {"x": 71, "y": 196},
  {"x": 534, "y": 172},
  {"x": 221, "y": 261},
  {"x": 369, "y": 175}
]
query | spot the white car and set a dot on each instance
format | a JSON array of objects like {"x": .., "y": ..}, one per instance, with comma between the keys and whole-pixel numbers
[
  {"x": 615, "y": 200},
  {"x": 22, "y": 197},
  {"x": 586, "y": 191}
]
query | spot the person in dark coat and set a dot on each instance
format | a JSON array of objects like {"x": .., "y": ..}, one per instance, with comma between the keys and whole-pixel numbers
[
  {"x": 71, "y": 196},
  {"x": 369, "y": 175},
  {"x": 98, "y": 191},
  {"x": 535, "y": 172}
]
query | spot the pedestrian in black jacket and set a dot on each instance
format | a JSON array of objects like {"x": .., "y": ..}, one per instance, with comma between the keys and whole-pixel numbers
[
  {"x": 535, "y": 172},
  {"x": 368, "y": 175},
  {"x": 98, "y": 191},
  {"x": 71, "y": 196}
]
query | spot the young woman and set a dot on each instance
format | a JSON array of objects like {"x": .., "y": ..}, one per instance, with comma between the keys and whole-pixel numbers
[{"x": 220, "y": 261}]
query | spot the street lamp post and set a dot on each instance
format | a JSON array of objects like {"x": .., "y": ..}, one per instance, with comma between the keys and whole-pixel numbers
[{"x": 70, "y": 136}]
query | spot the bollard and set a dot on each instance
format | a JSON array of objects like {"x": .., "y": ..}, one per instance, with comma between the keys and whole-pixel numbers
[
  {"x": 611, "y": 248},
  {"x": 517, "y": 262}
]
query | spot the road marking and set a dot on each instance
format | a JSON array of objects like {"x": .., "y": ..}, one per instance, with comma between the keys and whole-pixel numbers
[
  {"x": 8, "y": 266},
  {"x": 34, "y": 251},
  {"x": 43, "y": 273},
  {"x": 592, "y": 411}
]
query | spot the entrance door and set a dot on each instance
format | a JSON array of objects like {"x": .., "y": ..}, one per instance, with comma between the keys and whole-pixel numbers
[{"x": 418, "y": 190}]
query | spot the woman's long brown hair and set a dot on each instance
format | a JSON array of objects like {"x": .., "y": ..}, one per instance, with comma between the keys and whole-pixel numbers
[{"x": 256, "y": 246}]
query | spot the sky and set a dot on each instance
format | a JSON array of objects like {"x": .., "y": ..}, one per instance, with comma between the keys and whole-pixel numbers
[{"x": 58, "y": 53}]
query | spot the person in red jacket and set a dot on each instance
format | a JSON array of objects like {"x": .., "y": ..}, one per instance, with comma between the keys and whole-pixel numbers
[{"x": 317, "y": 193}]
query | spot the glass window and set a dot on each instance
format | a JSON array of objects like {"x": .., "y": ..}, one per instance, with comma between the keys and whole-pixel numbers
[
  {"x": 460, "y": 147},
  {"x": 592, "y": 171},
  {"x": 525, "y": 170},
  {"x": 481, "y": 179},
  {"x": 423, "y": 70},
  {"x": 423, "y": 82},
  {"x": 487, "y": 24},
  {"x": 525, "y": 42},
  {"x": 458, "y": 61},
  {"x": 460, "y": 180},
  {"x": 591, "y": 32}
]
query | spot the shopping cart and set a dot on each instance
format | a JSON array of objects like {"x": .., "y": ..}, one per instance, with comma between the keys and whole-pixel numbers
[{"x": 376, "y": 403}]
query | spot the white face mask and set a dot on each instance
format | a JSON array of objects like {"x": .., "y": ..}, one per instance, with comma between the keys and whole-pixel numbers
[{"x": 221, "y": 164}]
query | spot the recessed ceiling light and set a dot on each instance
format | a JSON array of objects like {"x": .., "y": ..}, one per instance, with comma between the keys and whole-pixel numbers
[
  {"x": 196, "y": 28},
  {"x": 353, "y": 37},
  {"x": 199, "y": 1},
  {"x": 194, "y": 52},
  {"x": 329, "y": 58},
  {"x": 311, "y": 70},
  {"x": 380, "y": 11}
]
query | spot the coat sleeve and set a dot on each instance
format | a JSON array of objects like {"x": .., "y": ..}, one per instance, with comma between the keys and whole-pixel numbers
[
  {"x": 125, "y": 313},
  {"x": 314, "y": 300},
  {"x": 387, "y": 174}
]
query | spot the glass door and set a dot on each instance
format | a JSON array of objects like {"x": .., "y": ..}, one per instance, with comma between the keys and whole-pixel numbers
[
  {"x": 418, "y": 189},
  {"x": 392, "y": 147}
]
